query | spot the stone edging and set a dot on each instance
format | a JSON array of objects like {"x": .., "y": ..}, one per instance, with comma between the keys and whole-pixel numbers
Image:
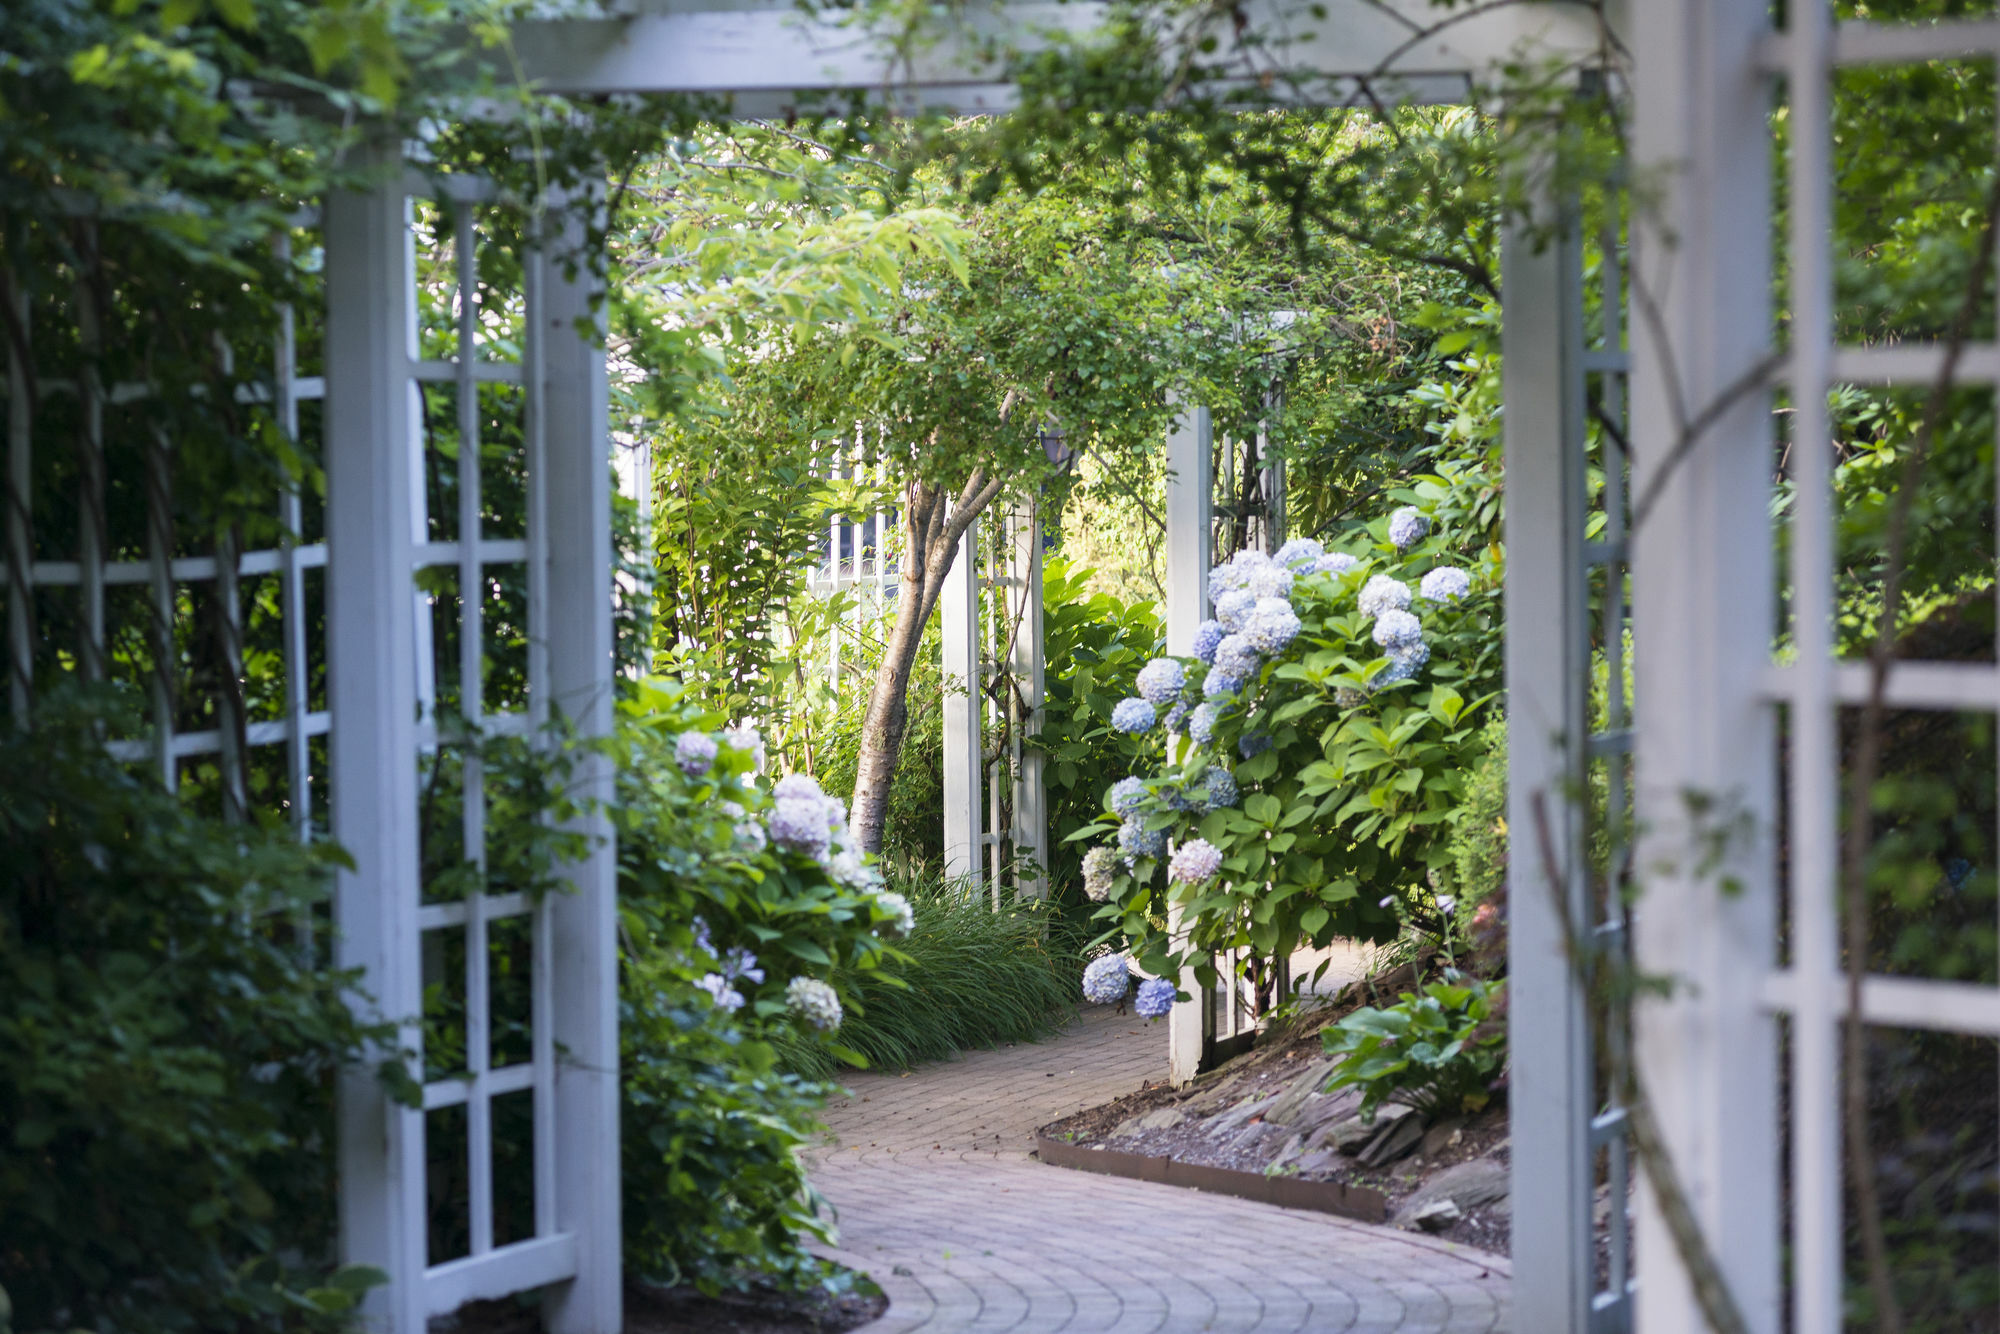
[{"x": 1326, "y": 1197}]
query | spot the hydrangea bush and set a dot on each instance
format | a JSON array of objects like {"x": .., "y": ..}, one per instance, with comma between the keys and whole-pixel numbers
[{"x": 1333, "y": 712}]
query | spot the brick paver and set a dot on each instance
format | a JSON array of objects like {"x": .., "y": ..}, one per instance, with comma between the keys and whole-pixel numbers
[{"x": 940, "y": 1203}]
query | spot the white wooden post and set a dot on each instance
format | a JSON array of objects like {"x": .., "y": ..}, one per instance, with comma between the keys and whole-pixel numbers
[
  {"x": 1190, "y": 484},
  {"x": 1548, "y": 664},
  {"x": 1031, "y": 817},
  {"x": 371, "y": 688},
  {"x": 583, "y": 924},
  {"x": 1702, "y": 618},
  {"x": 964, "y": 794}
]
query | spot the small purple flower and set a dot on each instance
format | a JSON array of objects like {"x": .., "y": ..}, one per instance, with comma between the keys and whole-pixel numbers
[
  {"x": 1155, "y": 998},
  {"x": 1206, "y": 636},
  {"x": 694, "y": 753},
  {"x": 1133, "y": 715},
  {"x": 1100, "y": 868},
  {"x": 1407, "y": 527},
  {"x": 1194, "y": 862}
]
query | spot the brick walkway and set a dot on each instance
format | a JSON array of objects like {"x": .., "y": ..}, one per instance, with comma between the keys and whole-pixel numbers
[{"x": 940, "y": 1204}]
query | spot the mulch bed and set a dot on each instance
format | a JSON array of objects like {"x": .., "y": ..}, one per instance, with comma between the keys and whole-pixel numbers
[
  {"x": 656, "y": 1310},
  {"x": 1218, "y": 1121}
]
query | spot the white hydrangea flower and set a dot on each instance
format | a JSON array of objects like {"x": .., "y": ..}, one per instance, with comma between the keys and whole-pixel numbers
[
  {"x": 1336, "y": 562},
  {"x": 1270, "y": 581},
  {"x": 1100, "y": 867},
  {"x": 1194, "y": 862},
  {"x": 750, "y": 837},
  {"x": 815, "y": 1002},
  {"x": 1446, "y": 583},
  {"x": 798, "y": 824},
  {"x": 1299, "y": 553},
  {"x": 902, "y": 917},
  {"x": 1407, "y": 527},
  {"x": 1381, "y": 593},
  {"x": 1398, "y": 629}
]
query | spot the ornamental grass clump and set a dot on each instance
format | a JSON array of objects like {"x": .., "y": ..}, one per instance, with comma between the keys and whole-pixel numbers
[{"x": 1331, "y": 720}]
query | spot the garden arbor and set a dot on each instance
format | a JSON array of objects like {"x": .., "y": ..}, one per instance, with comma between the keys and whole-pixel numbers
[{"x": 1702, "y": 580}]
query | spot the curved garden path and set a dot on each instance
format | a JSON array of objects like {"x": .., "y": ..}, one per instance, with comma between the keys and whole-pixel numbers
[{"x": 940, "y": 1203}]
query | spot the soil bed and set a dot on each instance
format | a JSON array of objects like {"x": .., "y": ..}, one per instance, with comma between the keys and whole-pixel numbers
[{"x": 1263, "y": 1112}]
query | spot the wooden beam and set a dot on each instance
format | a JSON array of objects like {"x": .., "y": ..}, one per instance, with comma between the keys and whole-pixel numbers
[{"x": 773, "y": 61}]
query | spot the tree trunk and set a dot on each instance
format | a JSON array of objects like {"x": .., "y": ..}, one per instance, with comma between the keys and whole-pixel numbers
[{"x": 933, "y": 522}]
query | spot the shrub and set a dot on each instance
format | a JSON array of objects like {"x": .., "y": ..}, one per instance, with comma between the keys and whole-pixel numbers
[
  {"x": 969, "y": 977},
  {"x": 1329, "y": 739},
  {"x": 167, "y": 1051},
  {"x": 1426, "y": 1051},
  {"x": 730, "y": 891}
]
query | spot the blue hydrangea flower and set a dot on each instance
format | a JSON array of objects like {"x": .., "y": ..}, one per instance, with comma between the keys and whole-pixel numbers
[
  {"x": 1407, "y": 527},
  {"x": 1233, "y": 608},
  {"x": 1272, "y": 627},
  {"x": 1160, "y": 682},
  {"x": 1347, "y": 697},
  {"x": 1201, "y": 724},
  {"x": 1444, "y": 584},
  {"x": 815, "y": 1002},
  {"x": 1404, "y": 663},
  {"x": 1238, "y": 656},
  {"x": 1299, "y": 553},
  {"x": 1337, "y": 562},
  {"x": 1100, "y": 867},
  {"x": 1133, "y": 715},
  {"x": 1206, "y": 636},
  {"x": 694, "y": 752},
  {"x": 1398, "y": 629},
  {"x": 1194, "y": 862},
  {"x": 1126, "y": 795},
  {"x": 1253, "y": 743},
  {"x": 1176, "y": 716},
  {"x": 1155, "y": 998},
  {"x": 798, "y": 824},
  {"x": 1270, "y": 581},
  {"x": 1106, "y": 979},
  {"x": 1222, "y": 792},
  {"x": 1135, "y": 840},
  {"x": 1220, "y": 682},
  {"x": 1381, "y": 593}
]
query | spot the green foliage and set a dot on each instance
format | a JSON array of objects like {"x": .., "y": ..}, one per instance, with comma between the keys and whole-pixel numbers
[
  {"x": 714, "y": 1191},
  {"x": 1427, "y": 1051},
  {"x": 1350, "y": 782},
  {"x": 168, "y": 1042},
  {"x": 1478, "y": 846},
  {"x": 1094, "y": 646},
  {"x": 970, "y": 977}
]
